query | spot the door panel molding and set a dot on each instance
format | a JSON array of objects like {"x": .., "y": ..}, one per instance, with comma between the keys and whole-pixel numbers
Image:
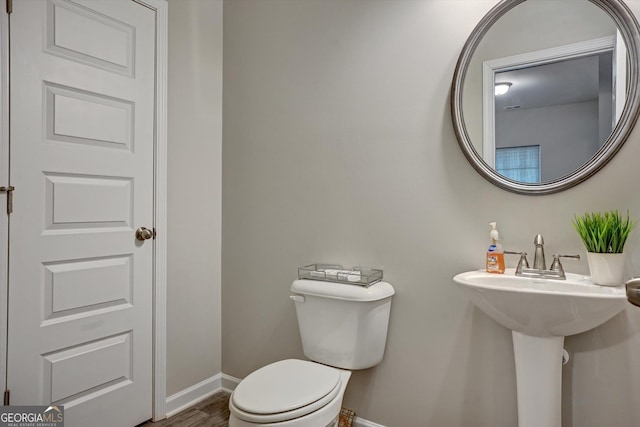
[{"x": 118, "y": 57}]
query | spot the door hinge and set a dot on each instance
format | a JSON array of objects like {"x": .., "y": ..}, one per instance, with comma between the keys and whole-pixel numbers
[
  {"x": 7, "y": 395},
  {"x": 9, "y": 190},
  {"x": 9, "y": 6}
]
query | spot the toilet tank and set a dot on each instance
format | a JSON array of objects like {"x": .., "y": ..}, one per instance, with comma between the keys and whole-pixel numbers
[{"x": 343, "y": 325}]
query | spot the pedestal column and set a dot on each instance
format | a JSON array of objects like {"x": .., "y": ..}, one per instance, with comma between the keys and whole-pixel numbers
[{"x": 539, "y": 379}]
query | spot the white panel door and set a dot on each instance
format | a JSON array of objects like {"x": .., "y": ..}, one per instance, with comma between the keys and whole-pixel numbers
[{"x": 82, "y": 142}]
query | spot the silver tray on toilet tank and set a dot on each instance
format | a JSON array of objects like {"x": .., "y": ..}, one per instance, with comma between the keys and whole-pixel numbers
[{"x": 336, "y": 273}]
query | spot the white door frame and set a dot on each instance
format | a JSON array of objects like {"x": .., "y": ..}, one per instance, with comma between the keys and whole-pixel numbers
[
  {"x": 161, "y": 9},
  {"x": 4, "y": 180}
]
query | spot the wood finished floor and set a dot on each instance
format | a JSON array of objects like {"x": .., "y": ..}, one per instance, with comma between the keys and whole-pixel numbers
[{"x": 211, "y": 412}]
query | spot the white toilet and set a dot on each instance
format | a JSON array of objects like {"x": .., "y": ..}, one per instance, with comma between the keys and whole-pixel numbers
[{"x": 343, "y": 327}]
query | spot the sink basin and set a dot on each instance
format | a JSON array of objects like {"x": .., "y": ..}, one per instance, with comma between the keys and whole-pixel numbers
[
  {"x": 542, "y": 307},
  {"x": 540, "y": 313}
]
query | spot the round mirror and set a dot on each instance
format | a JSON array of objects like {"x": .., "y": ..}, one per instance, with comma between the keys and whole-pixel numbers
[{"x": 545, "y": 92}]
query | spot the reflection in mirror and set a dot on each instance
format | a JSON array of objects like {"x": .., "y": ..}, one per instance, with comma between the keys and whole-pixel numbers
[
  {"x": 564, "y": 70},
  {"x": 554, "y": 117}
]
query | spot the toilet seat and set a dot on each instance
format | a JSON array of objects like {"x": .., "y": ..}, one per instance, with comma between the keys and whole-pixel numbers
[{"x": 285, "y": 390}]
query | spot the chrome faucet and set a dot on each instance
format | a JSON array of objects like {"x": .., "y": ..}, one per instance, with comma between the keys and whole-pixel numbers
[
  {"x": 539, "y": 269},
  {"x": 539, "y": 262}
]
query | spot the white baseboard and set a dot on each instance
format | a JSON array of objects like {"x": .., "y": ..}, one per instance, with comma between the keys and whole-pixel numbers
[
  {"x": 221, "y": 382},
  {"x": 229, "y": 383},
  {"x": 361, "y": 422},
  {"x": 194, "y": 394}
]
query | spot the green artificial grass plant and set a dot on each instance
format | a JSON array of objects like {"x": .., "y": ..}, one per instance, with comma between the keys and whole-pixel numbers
[{"x": 604, "y": 232}]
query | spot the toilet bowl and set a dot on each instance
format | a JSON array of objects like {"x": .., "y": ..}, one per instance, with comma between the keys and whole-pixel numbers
[
  {"x": 289, "y": 393},
  {"x": 343, "y": 327}
]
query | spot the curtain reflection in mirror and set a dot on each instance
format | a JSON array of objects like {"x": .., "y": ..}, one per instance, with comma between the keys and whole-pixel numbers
[{"x": 521, "y": 164}]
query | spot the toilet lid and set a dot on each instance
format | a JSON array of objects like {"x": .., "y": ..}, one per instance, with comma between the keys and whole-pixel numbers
[{"x": 285, "y": 386}]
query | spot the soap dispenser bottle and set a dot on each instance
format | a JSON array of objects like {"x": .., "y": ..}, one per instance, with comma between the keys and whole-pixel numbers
[{"x": 495, "y": 254}]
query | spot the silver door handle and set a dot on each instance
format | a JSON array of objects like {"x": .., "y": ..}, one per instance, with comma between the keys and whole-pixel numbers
[{"x": 143, "y": 233}]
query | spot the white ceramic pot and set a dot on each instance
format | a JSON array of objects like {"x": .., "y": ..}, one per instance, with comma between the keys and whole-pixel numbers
[{"x": 606, "y": 269}]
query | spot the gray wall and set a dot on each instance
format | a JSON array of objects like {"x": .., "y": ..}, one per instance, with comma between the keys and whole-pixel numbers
[
  {"x": 568, "y": 135},
  {"x": 338, "y": 147},
  {"x": 194, "y": 186}
]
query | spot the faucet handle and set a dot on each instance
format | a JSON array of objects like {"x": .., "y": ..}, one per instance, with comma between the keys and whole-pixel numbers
[
  {"x": 557, "y": 266},
  {"x": 556, "y": 257},
  {"x": 522, "y": 263}
]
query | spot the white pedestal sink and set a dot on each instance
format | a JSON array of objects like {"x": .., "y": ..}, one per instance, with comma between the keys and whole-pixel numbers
[{"x": 540, "y": 313}]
